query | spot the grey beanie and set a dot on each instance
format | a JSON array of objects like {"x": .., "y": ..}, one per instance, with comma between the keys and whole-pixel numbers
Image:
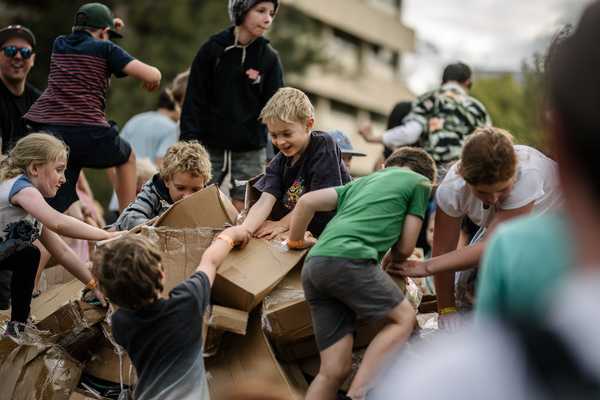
[{"x": 239, "y": 8}]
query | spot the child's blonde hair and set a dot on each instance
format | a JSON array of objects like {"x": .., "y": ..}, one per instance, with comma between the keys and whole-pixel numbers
[
  {"x": 289, "y": 105},
  {"x": 39, "y": 148},
  {"x": 190, "y": 157},
  {"x": 488, "y": 157},
  {"x": 128, "y": 272},
  {"x": 417, "y": 159}
]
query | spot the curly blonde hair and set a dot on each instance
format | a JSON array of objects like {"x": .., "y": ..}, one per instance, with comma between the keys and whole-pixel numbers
[
  {"x": 289, "y": 105},
  {"x": 40, "y": 148},
  {"x": 190, "y": 157}
]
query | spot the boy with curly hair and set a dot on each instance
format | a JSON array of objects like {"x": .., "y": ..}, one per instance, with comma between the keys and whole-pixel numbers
[
  {"x": 184, "y": 171},
  {"x": 162, "y": 336}
]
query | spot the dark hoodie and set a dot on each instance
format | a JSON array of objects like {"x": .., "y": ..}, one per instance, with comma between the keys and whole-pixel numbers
[{"x": 222, "y": 105}]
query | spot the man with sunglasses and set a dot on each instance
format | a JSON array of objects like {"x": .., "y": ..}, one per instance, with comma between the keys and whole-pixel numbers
[
  {"x": 17, "y": 56},
  {"x": 16, "y": 96}
]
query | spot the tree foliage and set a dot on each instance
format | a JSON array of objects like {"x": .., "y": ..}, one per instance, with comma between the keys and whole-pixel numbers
[{"x": 165, "y": 34}]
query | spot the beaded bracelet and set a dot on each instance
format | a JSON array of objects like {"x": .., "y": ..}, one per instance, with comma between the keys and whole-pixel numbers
[
  {"x": 294, "y": 244},
  {"x": 227, "y": 239}
]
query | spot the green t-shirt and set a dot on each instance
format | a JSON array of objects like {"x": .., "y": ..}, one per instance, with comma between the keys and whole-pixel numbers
[{"x": 371, "y": 213}]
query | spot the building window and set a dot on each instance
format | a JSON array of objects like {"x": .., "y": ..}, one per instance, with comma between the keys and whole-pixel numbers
[{"x": 343, "y": 108}]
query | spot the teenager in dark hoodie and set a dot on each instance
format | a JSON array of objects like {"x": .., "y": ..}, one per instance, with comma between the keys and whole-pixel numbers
[{"x": 233, "y": 76}]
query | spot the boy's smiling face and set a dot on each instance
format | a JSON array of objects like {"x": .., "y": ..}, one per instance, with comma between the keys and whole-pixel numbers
[
  {"x": 183, "y": 184},
  {"x": 290, "y": 138}
]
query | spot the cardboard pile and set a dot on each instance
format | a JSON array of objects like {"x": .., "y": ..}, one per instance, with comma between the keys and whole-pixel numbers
[{"x": 243, "y": 343}]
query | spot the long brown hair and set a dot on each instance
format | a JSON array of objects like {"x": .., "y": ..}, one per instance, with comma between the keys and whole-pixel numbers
[{"x": 488, "y": 157}]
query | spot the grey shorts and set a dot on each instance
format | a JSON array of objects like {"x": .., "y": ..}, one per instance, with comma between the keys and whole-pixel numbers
[
  {"x": 340, "y": 289},
  {"x": 243, "y": 165}
]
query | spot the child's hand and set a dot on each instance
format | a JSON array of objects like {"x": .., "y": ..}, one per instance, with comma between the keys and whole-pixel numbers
[
  {"x": 99, "y": 295},
  {"x": 271, "y": 228},
  {"x": 118, "y": 24},
  {"x": 309, "y": 241},
  {"x": 151, "y": 86},
  {"x": 115, "y": 234},
  {"x": 239, "y": 234},
  {"x": 366, "y": 130},
  {"x": 412, "y": 268}
]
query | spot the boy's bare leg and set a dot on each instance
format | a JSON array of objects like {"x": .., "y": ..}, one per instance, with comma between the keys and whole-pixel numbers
[
  {"x": 239, "y": 204},
  {"x": 336, "y": 362},
  {"x": 125, "y": 182},
  {"x": 381, "y": 349}
]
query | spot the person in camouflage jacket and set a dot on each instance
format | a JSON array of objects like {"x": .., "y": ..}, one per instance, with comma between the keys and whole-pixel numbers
[{"x": 439, "y": 120}]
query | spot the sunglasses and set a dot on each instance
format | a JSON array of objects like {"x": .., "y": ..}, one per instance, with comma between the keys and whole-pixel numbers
[{"x": 11, "y": 51}]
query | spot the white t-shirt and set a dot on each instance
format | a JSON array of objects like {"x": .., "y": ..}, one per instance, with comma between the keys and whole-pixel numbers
[
  {"x": 9, "y": 212},
  {"x": 536, "y": 180}
]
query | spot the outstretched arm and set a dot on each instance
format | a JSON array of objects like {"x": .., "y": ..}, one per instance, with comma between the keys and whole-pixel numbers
[
  {"x": 259, "y": 212},
  {"x": 149, "y": 75},
  {"x": 32, "y": 201},
  {"x": 68, "y": 259},
  {"x": 307, "y": 206},
  {"x": 216, "y": 253}
]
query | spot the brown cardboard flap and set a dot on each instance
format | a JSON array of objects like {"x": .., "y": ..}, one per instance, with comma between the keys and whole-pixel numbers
[
  {"x": 227, "y": 319},
  {"x": 244, "y": 361},
  {"x": 207, "y": 208},
  {"x": 79, "y": 394},
  {"x": 110, "y": 362},
  {"x": 47, "y": 303},
  {"x": 247, "y": 276},
  {"x": 38, "y": 371}
]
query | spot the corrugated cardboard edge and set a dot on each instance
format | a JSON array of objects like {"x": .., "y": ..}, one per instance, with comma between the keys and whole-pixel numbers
[{"x": 247, "y": 359}]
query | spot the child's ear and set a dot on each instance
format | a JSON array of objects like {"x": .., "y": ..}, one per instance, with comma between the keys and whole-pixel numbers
[
  {"x": 309, "y": 124},
  {"x": 33, "y": 169},
  {"x": 166, "y": 181}
]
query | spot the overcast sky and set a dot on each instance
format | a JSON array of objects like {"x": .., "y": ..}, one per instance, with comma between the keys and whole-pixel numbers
[{"x": 485, "y": 34}]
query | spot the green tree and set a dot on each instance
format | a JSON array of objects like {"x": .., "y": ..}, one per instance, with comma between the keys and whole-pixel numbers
[{"x": 165, "y": 34}]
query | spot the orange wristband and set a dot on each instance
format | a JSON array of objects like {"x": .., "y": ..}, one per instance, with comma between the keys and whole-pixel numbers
[
  {"x": 294, "y": 244},
  {"x": 227, "y": 239},
  {"x": 93, "y": 283}
]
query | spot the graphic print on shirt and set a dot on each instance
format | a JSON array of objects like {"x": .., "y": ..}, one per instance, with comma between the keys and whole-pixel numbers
[{"x": 291, "y": 197}]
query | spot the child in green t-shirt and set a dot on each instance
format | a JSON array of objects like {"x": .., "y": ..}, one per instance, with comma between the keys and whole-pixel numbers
[{"x": 342, "y": 278}]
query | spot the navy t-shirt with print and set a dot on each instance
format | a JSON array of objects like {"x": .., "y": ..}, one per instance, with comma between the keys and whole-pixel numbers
[{"x": 320, "y": 166}]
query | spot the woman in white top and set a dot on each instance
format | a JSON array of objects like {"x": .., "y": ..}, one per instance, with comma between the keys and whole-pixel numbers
[{"x": 493, "y": 181}]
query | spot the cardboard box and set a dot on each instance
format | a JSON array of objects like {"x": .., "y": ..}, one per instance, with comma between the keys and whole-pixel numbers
[
  {"x": 311, "y": 365},
  {"x": 38, "y": 371},
  {"x": 47, "y": 303},
  {"x": 247, "y": 360},
  {"x": 71, "y": 327},
  {"x": 219, "y": 320},
  {"x": 287, "y": 318},
  {"x": 246, "y": 276},
  {"x": 109, "y": 361},
  {"x": 79, "y": 394}
]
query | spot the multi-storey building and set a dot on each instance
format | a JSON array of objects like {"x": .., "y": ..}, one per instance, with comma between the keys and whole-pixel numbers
[{"x": 366, "y": 39}]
